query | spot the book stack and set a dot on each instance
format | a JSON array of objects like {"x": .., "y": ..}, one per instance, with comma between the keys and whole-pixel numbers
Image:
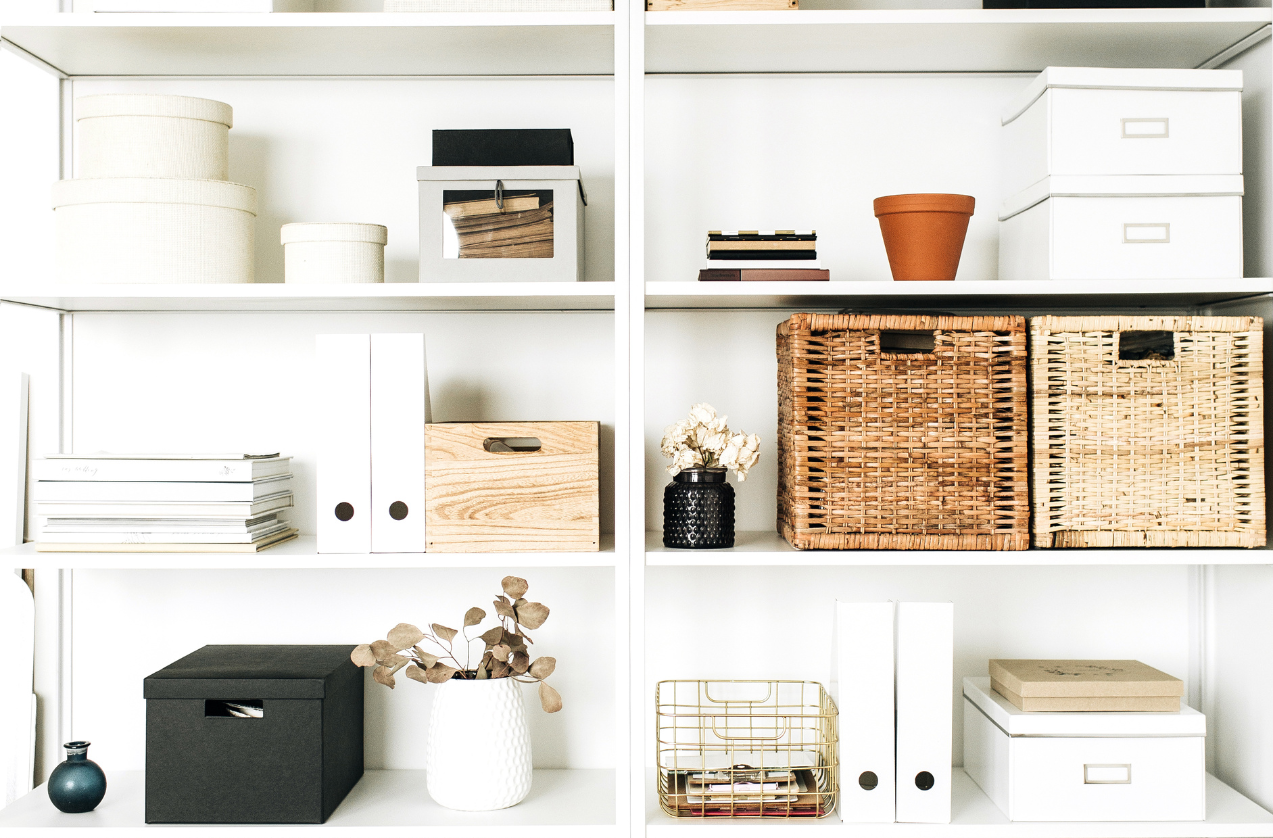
[
  {"x": 743, "y": 791},
  {"x": 522, "y": 228},
  {"x": 169, "y": 503},
  {"x": 762, "y": 256}
]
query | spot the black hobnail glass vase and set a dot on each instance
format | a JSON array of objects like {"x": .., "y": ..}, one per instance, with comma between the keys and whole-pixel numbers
[{"x": 698, "y": 510}]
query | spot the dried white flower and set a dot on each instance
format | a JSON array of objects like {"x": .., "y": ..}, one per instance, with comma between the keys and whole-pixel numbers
[{"x": 705, "y": 440}]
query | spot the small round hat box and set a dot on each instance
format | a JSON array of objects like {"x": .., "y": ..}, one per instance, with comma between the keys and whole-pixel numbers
[
  {"x": 132, "y": 135},
  {"x": 316, "y": 254},
  {"x": 154, "y": 230}
]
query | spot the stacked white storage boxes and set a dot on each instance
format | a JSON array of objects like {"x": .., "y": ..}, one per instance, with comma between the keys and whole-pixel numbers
[
  {"x": 1123, "y": 174},
  {"x": 1084, "y": 766},
  {"x": 153, "y": 203}
]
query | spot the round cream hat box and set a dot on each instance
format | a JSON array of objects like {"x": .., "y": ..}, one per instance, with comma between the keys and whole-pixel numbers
[
  {"x": 148, "y": 135},
  {"x": 154, "y": 230},
  {"x": 315, "y": 254}
]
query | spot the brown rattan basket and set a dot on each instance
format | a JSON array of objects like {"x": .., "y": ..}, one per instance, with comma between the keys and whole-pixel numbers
[
  {"x": 1148, "y": 439},
  {"x": 885, "y": 445}
]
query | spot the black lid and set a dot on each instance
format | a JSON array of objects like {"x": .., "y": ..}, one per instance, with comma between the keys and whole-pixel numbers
[{"x": 247, "y": 672}]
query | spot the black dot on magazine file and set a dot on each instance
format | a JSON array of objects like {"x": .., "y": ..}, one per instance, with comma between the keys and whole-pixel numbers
[
  {"x": 397, "y": 510},
  {"x": 344, "y": 511},
  {"x": 868, "y": 780},
  {"x": 924, "y": 781}
]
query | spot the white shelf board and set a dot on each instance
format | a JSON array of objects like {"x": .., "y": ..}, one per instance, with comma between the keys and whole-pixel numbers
[
  {"x": 299, "y": 554},
  {"x": 278, "y": 296},
  {"x": 384, "y": 803},
  {"x": 941, "y": 40},
  {"x": 769, "y": 548},
  {"x": 1077, "y": 293},
  {"x": 348, "y": 44},
  {"x": 973, "y": 815}
]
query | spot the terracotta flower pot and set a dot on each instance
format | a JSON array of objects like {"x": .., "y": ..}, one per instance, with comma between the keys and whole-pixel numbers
[{"x": 924, "y": 234}]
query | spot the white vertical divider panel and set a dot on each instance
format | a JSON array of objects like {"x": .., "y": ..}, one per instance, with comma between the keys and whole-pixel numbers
[
  {"x": 639, "y": 751},
  {"x": 1256, "y": 64},
  {"x": 626, "y": 556}
]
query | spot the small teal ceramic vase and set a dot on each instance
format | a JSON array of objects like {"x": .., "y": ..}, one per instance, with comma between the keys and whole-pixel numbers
[{"x": 78, "y": 784}]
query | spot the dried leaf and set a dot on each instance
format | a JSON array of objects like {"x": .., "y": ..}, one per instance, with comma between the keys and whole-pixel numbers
[
  {"x": 509, "y": 639},
  {"x": 500, "y": 652},
  {"x": 501, "y": 670},
  {"x": 519, "y": 603},
  {"x": 504, "y": 600},
  {"x": 503, "y": 609},
  {"x": 396, "y": 660},
  {"x": 363, "y": 656},
  {"x": 440, "y": 674},
  {"x": 492, "y": 636},
  {"x": 383, "y": 676},
  {"x": 415, "y": 673},
  {"x": 382, "y": 649},
  {"x": 543, "y": 667},
  {"x": 483, "y": 675},
  {"x": 514, "y": 586},
  {"x": 532, "y": 614},
  {"x": 404, "y": 636},
  {"x": 520, "y": 661},
  {"x": 425, "y": 658},
  {"x": 488, "y": 660},
  {"x": 473, "y": 616},
  {"x": 549, "y": 698},
  {"x": 447, "y": 634},
  {"x": 393, "y": 669}
]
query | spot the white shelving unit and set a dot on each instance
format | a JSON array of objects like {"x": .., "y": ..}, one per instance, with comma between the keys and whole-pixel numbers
[{"x": 683, "y": 122}]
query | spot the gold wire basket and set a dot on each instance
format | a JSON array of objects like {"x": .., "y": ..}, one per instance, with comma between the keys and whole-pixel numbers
[{"x": 746, "y": 749}]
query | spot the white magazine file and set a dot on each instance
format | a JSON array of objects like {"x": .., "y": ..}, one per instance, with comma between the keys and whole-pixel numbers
[
  {"x": 343, "y": 383},
  {"x": 862, "y": 685},
  {"x": 925, "y": 688},
  {"x": 399, "y": 411}
]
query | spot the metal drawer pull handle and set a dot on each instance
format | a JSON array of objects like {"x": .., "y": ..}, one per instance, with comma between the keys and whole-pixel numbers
[
  {"x": 1146, "y": 129},
  {"x": 1147, "y": 233},
  {"x": 1106, "y": 775}
]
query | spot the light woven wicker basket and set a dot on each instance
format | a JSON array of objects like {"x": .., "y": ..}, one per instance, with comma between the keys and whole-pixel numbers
[
  {"x": 1154, "y": 452},
  {"x": 905, "y": 451}
]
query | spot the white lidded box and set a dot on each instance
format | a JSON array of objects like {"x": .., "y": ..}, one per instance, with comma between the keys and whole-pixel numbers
[
  {"x": 327, "y": 253},
  {"x": 152, "y": 230},
  {"x": 501, "y": 223},
  {"x": 1097, "y": 121},
  {"x": 1123, "y": 227},
  {"x": 146, "y": 135},
  {"x": 1084, "y": 766}
]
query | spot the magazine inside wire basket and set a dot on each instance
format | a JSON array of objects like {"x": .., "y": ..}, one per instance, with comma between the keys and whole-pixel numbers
[{"x": 746, "y": 749}]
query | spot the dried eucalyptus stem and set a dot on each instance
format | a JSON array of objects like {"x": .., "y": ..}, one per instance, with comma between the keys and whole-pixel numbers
[{"x": 506, "y": 655}]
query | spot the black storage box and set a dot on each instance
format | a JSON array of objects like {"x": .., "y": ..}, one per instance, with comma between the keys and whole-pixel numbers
[
  {"x": 293, "y": 764},
  {"x": 504, "y": 147}
]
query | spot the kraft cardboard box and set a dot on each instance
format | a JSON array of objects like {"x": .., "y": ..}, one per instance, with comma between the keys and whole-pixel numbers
[{"x": 1085, "y": 685}]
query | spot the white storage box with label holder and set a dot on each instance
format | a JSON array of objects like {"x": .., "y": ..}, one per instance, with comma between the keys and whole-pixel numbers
[
  {"x": 1097, "y": 121},
  {"x": 1123, "y": 227},
  {"x": 1084, "y": 766},
  {"x": 501, "y": 223},
  {"x": 144, "y": 135},
  {"x": 152, "y": 230},
  {"x": 330, "y": 253}
]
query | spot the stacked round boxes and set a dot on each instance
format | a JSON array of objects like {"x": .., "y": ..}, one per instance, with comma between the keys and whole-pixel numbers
[{"x": 153, "y": 203}]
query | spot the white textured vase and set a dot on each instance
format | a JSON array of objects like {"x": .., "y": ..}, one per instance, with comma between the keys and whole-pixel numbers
[{"x": 478, "y": 754}]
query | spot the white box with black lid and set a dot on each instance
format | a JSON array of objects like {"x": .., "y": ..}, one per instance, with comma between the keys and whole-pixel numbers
[
  {"x": 1085, "y": 766},
  {"x": 1123, "y": 227},
  {"x": 1103, "y": 121},
  {"x": 501, "y": 223}
]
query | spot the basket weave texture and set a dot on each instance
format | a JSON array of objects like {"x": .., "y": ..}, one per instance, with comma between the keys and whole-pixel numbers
[
  {"x": 892, "y": 451},
  {"x": 1147, "y": 453}
]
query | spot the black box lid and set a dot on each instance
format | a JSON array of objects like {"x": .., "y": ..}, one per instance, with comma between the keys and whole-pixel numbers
[
  {"x": 503, "y": 147},
  {"x": 248, "y": 672}
]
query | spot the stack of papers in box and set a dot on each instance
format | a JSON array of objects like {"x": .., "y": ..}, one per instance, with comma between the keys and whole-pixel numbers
[{"x": 163, "y": 502}]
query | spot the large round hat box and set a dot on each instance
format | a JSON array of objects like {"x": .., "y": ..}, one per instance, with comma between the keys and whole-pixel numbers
[
  {"x": 152, "y": 230},
  {"x": 327, "y": 253},
  {"x": 146, "y": 135}
]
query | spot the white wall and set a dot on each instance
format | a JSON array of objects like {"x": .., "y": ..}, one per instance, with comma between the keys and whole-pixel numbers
[
  {"x": 347, "y": 149},
  {"x": 129, "y": 624}
]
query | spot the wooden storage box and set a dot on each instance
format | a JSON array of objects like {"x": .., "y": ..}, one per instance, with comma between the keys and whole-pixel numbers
[
  {"x": 482, "y": 498},
  {"x": 1147, "y": 431},
  {"x": 902, "y": 432},
  {"x": 1085, "y": 766}
]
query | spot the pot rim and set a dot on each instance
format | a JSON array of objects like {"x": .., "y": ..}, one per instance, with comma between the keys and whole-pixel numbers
[{"x": 925, "y": 202}]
